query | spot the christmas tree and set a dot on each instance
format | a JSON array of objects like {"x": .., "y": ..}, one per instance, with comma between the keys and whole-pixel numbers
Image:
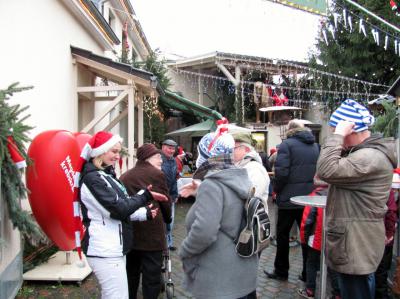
[
  {"x": 349, "y": 48},
  {"x": 13, "y": 136}
]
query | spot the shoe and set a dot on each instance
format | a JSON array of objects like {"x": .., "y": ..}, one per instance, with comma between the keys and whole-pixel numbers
[
  {"x": 305, "y": 293},
  {"x": 273, "y": 275},
  {"x": 302, "y": 278},
  {"x": 172, "y": 248}
]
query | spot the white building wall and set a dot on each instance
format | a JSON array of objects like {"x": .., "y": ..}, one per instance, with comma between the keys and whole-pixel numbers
[
  {"x": 38, "y": 54},
  {"x": 189, "y": 87},
  {"x": 37, "y": 36}
]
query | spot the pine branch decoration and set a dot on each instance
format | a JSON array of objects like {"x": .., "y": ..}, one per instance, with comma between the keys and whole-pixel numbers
[{"x": 12, "y": 185}]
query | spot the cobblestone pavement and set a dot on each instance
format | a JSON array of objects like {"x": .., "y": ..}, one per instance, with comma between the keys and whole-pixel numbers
[
  {"x": 89, "y": 288},
  {"x": 267, "y": 288}
]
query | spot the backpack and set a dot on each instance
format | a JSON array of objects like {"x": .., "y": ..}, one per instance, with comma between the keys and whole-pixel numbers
[{"x": 254, "y": 232}]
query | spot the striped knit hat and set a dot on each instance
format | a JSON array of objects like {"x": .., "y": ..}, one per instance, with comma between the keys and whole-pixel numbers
[
  {"x": 214, "y": 144},
  {"x": 353, "y": 112}
]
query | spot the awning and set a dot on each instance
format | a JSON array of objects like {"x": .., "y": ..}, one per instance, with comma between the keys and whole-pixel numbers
[
  {"x": 196, "y": 130},
  {"x": 174, "y": 101}
]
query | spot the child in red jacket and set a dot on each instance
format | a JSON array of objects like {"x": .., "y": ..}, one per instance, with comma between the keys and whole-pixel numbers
[
  {"x": 311, "y": 235},
  {"x": 391, "y": 216}
]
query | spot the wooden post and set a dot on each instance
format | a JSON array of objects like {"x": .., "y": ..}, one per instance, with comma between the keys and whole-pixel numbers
[
  {"x": 238, "y": 97},
  {"x": 140, "y": 118},
  {"x": 131, "y": 124}
]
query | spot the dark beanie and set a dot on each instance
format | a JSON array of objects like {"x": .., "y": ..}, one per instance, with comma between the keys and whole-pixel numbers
[{"x": 146, "y": 151}]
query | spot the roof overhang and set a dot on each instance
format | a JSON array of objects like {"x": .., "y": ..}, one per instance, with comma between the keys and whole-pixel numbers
[
  {"x": 210, "y": 60},
  {"x": 93, "y": 21},
  {"x": 115, "y": 71}
]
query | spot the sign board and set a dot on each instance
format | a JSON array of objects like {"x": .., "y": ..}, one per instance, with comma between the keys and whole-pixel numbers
[{"x": 313, "y": 6}]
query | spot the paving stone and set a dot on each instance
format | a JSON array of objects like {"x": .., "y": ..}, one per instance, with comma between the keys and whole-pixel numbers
[{"x": 267, "y": 288}]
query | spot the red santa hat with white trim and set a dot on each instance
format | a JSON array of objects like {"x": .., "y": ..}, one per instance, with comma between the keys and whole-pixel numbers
[
  {"x": 99, "y": 144},
  {"x": 15, "y": 154}
]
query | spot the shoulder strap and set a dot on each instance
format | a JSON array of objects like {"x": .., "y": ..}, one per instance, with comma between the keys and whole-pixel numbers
[{"x": 245, "y": 220}]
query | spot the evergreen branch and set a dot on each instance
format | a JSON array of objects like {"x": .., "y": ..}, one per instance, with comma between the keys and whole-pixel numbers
[{"x": 12, "y": 186}]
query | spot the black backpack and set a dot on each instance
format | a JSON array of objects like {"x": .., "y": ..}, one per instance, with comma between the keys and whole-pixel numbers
[{"x": 254, "y": 230}]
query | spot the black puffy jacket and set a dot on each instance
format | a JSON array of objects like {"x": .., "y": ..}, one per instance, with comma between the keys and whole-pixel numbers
[{"x": 295, "y": 167}]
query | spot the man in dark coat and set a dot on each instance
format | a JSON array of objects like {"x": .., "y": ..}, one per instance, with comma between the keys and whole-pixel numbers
[
  {"x": 294, "y": 172},
  {"x": 149, "y": 240},
  {"x": 169, "y": 168}
]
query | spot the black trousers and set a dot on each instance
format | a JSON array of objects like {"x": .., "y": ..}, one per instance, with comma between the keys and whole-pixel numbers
[
  {"x": 286, "y": 218},
  {"x": 313, "y": 263},
  {"x": 381, "y": 274},
  {"x": 147, "y": 263}
]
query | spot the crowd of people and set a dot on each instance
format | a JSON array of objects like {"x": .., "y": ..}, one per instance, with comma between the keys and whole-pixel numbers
[{"x": 129, "y": 221}]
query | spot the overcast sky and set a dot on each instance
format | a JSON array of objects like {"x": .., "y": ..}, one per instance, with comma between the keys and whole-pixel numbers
[{"x": 250, "y": 27}]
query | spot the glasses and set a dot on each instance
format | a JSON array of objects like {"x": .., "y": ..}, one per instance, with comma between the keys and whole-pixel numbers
[{"x": 238, "y": 146}]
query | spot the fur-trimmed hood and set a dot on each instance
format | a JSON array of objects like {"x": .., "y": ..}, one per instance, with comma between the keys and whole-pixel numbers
[{"x": 303, "y": 134}]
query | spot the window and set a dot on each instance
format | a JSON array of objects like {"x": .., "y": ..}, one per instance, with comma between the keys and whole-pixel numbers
[{"x": 111, "y": 20}]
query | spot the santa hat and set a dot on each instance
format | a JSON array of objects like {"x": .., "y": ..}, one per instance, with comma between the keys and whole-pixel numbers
[
  {"x": 180, "y": 151},
  {"x": 15, "y": 154},
  {"x": 99, "y": 144}
]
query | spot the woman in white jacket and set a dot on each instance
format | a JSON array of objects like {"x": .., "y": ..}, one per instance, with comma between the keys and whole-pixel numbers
[{"x": 107, "y": 210}]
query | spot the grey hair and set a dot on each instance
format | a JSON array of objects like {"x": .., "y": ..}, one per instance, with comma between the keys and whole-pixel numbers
[
  {"x": 248, "y": 145},
  {"x": 295, "y": 123}
]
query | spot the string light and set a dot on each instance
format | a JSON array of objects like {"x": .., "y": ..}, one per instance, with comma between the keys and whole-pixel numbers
[
  {"x": 236, "y": 58},
  {"x": 345, "y": 92},
  {"x": 252, "y": 82},
  {"x": 375, "y": 30}
]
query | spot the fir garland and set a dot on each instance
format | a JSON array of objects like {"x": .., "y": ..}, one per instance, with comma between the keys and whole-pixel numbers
[{"x": 12, "y": 186}]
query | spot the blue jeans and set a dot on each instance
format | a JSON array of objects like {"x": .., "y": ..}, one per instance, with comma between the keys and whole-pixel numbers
[
  {"x": 170, "y": 226},
  {"x": 357, "y": 286}
]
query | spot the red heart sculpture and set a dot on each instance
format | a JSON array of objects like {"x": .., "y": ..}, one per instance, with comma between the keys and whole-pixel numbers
[
  {"x": 50, "y": 181},
  {"x": 82, "y": 139}
]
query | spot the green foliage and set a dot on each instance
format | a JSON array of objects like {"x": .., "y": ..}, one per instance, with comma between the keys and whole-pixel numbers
[
  {"x": 154, "y": 129},
  {"x": 387, "y": 122},
  {"x": 154, "y": 120},
  {"x": 352, "y": 53},
  {"x": 156, "y": 66},
  {"x": 12, "y": 185}
]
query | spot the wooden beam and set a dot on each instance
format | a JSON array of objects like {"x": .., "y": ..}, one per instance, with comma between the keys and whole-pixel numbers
[
  {"x": 106, "y": 110},
  {"x": 131, "y": 126},
  {"x": 102, "y": 88},
  {"x": 116, "y": 120},
  {"x": 238, "y": 97},
  {"x": 140, "y": 118},
  {"x": 102, "y": 99},
  {"x": 227, "y": 74},
  {"x": 111, "y": 70}
]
